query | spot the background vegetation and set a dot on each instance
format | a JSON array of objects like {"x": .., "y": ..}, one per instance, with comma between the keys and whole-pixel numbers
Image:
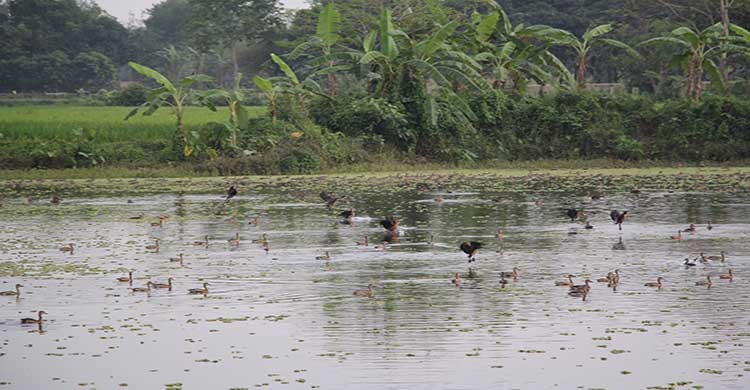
[{"x": 356, "y": 82}]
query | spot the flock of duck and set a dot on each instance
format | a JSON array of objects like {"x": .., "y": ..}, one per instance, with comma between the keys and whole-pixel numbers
[{"x": 392, "y": 225}]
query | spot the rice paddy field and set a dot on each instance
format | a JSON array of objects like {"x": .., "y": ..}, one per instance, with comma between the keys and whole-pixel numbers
[
  {"x": 57, "y": 122},
  {"x": 280, "y": 310}
]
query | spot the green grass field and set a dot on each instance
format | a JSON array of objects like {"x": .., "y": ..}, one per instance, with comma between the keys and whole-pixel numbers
[{"x": 107, "y": 124}]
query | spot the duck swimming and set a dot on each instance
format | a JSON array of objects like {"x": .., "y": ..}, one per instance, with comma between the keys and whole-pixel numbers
[
  {"x": 678, "y": 237},
  {"x": 728, "y": 276},
  {"x": 154, "y": 247},
  {"x": 567, "y": 283},
  {"x": 582, "y": 287},
  {"x": 34, "y": 320},
  {"x": 201, "y": 243},
  {"x": 363, "y": 243},
  {"x": 142, "y": 289},
  {"x": 234, "y": 241},
  {"x": 126, "y": 279},
  {"x": 176, "y": 259},
  {"x": 68, "y": 248},
  {"x": 457, "y": 279},
  {"x": 203, "y": 291},
  {"x": 721, "y": 257},
  {"x": 167, "y": 285},
  {"x": 657, "y": 283},
  {"x": 688, "y": 263},
  {"x": 514, "y": 274},
  {"x": 326, "y": 257},
  {"x": 17, "y": 292},
  {"x": 690, "y": 229},
  {"x": 330, "y": 199},
  {"x": 367, "y": 293},
  {"x": 706, "y": 282}
]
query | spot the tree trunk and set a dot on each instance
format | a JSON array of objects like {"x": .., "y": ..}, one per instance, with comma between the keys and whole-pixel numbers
[
  {"x": 235, "y": 63},
  {"x": 689, "y": 81},
  {"x": 332, "y": 84},
  {"x": 698, "y": 79},
  {"x": 723, "y": 68},
  {"x": 581, "y": 73},
  {"x": 235, "y": 125}
]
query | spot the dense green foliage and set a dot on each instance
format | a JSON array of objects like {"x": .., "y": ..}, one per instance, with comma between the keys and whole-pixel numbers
[{"x": 563, "y": 126}]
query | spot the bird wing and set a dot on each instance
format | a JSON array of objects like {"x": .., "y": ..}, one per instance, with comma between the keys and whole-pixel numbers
[
  {"x": 476, "y": 245},
  {"x": 326, "y": 196},
  {"x": 614, "y": 215},
  {"x": 572, "y": 213}
]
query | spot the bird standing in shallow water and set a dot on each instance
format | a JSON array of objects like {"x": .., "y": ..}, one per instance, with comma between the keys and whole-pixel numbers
[
  {"x": 457, "y": 279},
  {"x": 618, "y": 217},
  {"x": 471, "y": 249},
  {"x": 34, "y": 320},
  {"x": 17, "y": 293}
]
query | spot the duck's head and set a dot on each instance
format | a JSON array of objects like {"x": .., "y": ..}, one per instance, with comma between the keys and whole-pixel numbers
[
  {"x": 21, "y": 285},
  {"x": 659, "y": 279},
  {"x": 169, "y": 280},
  {"x": 42, "y": 312},
  {"x": 205, "y": 285}
]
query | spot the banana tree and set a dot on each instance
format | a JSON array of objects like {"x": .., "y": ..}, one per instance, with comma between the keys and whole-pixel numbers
[
  {"x": 233, "y": 98},
  {"x": 591, "y": 38},
  {"x": 290, "y": 84},
  {"x": 696, "y": 49},
  {"x": 169, "y": 95},
  {"x": 511, "y": 56},
  {"x": 271, "y": 93},
  {"x": 325, "y": 38}
]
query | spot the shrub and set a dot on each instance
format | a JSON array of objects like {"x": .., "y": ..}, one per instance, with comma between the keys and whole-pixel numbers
[{"x": 130, "y": 96}]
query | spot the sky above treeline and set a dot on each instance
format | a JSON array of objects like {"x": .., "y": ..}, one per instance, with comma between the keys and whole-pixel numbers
[{"x": 123, "y": 9}]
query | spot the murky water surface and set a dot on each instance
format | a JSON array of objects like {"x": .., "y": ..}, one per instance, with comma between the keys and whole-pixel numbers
[{"x": 286, "y": 319}]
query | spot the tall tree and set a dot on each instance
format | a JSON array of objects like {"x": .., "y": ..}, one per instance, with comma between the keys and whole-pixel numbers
[{"x": 231, "y": 22}]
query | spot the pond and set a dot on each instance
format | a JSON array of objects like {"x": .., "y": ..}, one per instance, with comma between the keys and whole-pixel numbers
[{"x": 283, "y": 317}]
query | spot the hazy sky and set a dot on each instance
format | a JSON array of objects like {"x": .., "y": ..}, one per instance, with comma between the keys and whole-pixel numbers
[{"x": 121, "y": 9}]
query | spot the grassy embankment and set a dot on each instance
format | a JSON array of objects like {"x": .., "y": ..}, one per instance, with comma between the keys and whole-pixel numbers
[{"x": 77, "y": 138}]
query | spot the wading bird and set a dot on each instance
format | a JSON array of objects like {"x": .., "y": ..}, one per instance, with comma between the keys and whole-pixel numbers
[{"x": 618, "y": 217}]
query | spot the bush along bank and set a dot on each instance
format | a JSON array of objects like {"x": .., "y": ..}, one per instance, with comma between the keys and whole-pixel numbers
[{"x": 348, "y": 130}]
